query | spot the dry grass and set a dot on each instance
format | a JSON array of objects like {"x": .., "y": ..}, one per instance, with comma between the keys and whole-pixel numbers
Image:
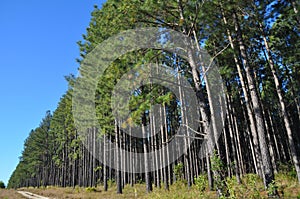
[
  {"x": 287, "y": 188},
  {"x": 138, "y": 191},
  {"x": 10, "y": 194},
  {"x": 58, "y": 192}
]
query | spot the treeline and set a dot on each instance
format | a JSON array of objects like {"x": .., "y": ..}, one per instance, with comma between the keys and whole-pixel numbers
[{"x": 256, "y": 47}]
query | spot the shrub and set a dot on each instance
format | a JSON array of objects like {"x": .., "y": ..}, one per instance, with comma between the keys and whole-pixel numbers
[
  {"x": 178, "y": 171},
  {"x": 218, "y": 168},
  {"x": 288, "y": 170},
  {"x": 233, "y": 187},
  {"x": 91, "y": 189},
  {"x": 110, "y": 182},
  {"x": 251, "y": 181},
  {"x": 2, "y": 185},
  {"x": 201, "y": 183},
  {"x": 179, "y": 184},
  {"x": 272, "y": 189}
]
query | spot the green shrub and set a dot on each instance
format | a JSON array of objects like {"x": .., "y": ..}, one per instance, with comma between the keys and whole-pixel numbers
[
  {"x": 218, "y": 168},
  {"x": 178, "y": 171},
  {"x": 2, "y": 185},
  {"x": 91, "y": 189},
  {"x": 99, "y": 168},
  {"x": 233, "y": 187},
  {"x": 179, "y": 184},
  {"x": 110, "y": 182},
  {"x": 201, "y": 183},
  {"x": 251, "y": 181},
  {"x": 288, "y": 170},
  {"x": 272, "y": 189},
  {"x": 292, "y": 173}
]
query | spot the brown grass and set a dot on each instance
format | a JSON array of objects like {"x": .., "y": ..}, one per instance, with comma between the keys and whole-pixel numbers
[
  {"x": 287, "y": 188},
  {"x": 10, "y": 194},
  {"x": 138, "y": 191}
]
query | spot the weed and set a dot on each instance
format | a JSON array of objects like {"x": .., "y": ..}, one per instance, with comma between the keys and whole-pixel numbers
[
  {"x": 178, "y": 171},
  {"x": 201, "y": 183},
  {"x": 90, "y": 189}
]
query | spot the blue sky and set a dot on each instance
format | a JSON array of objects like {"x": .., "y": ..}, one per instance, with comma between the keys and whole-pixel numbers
[{"x": 38, "y": 48}]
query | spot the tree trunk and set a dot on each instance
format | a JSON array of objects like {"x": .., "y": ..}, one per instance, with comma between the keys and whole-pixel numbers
[
  {"x": 146, "y": 157},
  {"x": 232, "y": 140},
  {"x": 283, "y": 109},
  {"x": 118, "y": 159},
  {"x": 104, "y": 163},
  {"x": 164, "y": 153},
  {"x": 268, "y": 174},
  {"x": 257, "y": 152}
]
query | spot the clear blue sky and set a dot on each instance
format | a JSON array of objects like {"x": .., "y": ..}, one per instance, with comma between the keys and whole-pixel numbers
[{"x": 38, "y": 48}]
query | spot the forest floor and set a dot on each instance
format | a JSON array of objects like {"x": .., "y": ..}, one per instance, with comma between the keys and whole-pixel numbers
[
  {"x": 251, "y": 187},
  {"x": 10, "y": 194},
  {"x": 31, "y": 195}
]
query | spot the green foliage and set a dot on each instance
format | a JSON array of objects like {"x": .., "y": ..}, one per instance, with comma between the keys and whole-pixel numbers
[
  {"x": 111, "y": 182},
  {"x": 217, "y": 166},
  {"x": 251, "y": 181},
  {"x": 233, "y": 187},
  {"x": 37, "y": 149},
  {"x": 178, "y": 171},
  {"x": 216, "y": 162},
  {"x": 99, "y": 168},
  {"x": 140, "y": 181},
  {"x": 2, "y": 185},
  {"x": 272, "y": 189},
  {"x": 288, "y": 170},
  {"x": 179, "y": 184},
  {"x": 201, "y": 183},
  {"x": 91, "y": 189}
]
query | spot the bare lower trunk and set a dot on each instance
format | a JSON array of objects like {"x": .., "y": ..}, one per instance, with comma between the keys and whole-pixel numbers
[
  {"x": 146, "y": 158},
  {"x": 283, "y": 109},
  {"x": 118, "y": 159},
  {"x": 253, "y": 129},
  {"x": 268, "y": 174}
]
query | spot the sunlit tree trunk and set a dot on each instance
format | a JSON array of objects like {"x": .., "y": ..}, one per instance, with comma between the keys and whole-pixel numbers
[
  {"x": 268, "y": 174},
  {"x": 283, "y": 108},
  {"x": 253, "y": 129}
]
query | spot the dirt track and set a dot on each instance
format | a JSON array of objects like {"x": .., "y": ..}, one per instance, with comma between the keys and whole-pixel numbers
[{"x": 31, "y": 195}]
